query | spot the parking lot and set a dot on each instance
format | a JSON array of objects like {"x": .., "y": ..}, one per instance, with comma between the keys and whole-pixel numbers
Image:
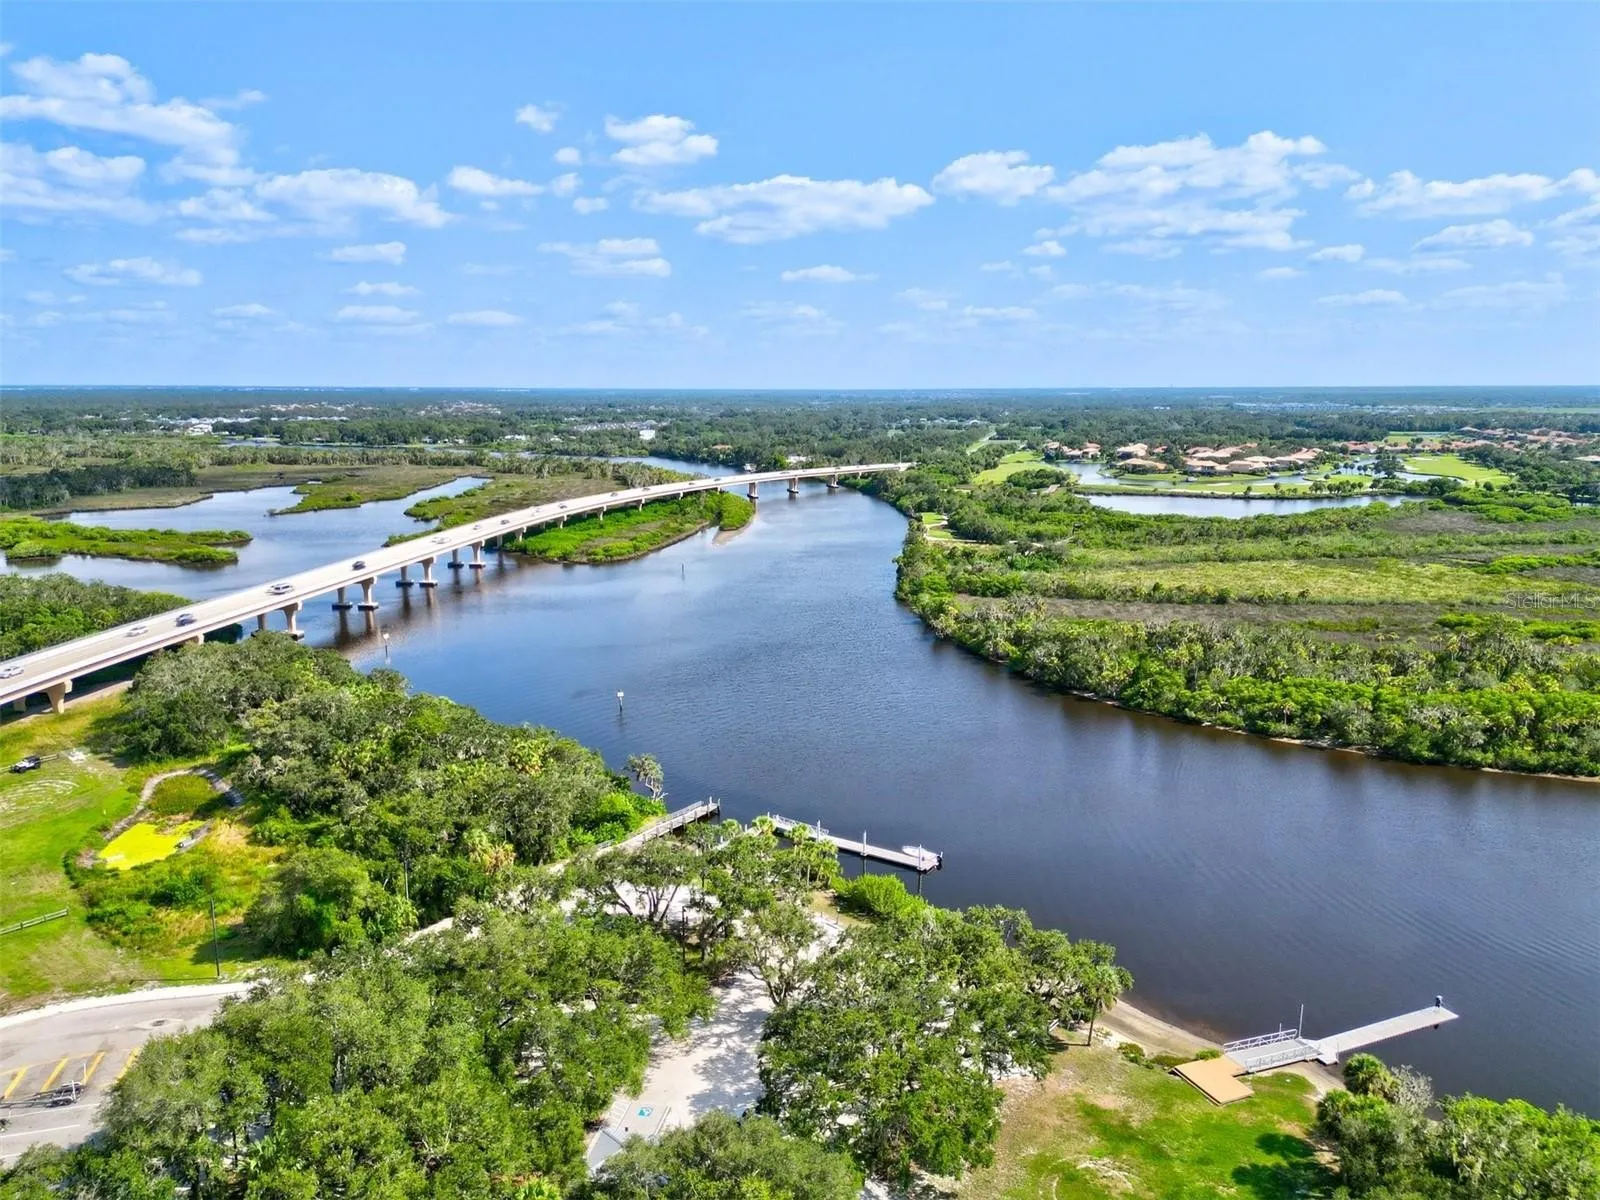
[{"x": 57, "y": 1066}]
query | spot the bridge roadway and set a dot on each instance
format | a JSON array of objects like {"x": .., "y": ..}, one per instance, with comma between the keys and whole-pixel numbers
[{"x": 52, "y": 670}]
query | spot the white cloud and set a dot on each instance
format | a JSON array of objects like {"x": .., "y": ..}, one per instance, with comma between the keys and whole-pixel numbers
[
  {"x": 104, "y": 92},
  {"x": 568, "y": 156},
  {"x": 1145, "y": 247},
  {"x": 925, "y": 299},
  {"x": 537, "y": 118},
  {"x": 1578, "y": 232},
  {"x": 476, "y": 182},
  {"x": 1042, "y": 271},
  {"x": 473, "y": 268},
  {"x": 375, "y": 314},
  {"x": 659, "y": 141},
  {"x": 1001, "y": 175},
  {"x": 1523, "y": 294},
  {"x": 71, "y": 179},
  {"x": 243, "y": 98},
  {"x": 625, "y": 257},
  {"x": 1190, "y": 188},
  {"x": 1175, "y": 297},
  {"x": 1369, "y": 298},
  {"x": 484, "y": 318},
  {"x": 584, "y": 205},
  {"x": 249, "y": 312},
  {"x": 1004, "y": 266},
  {"x": 565, "y": 185},
  {"x": 784, "y": 317},
  {"x": 973, "y": 315},
  {"x": 787, "y": 206},
  {"x": 1484, "y": 235},
  {"x": 383, "y": 289},
  {"x": 331, "y": 196},
  {"x": 1280, "y": 273},
  {"x": 135, "y": 270},
  {"x": 1348, "y": 253},
  {"x": 1406, "y": 195},
  {"x": 825, "y": 274},
  {"x": 1049, "y": 248},
  {"x": 222, "y": 206},
  {"x": 393, "y": 253},
  {"x": 623, "y": 318},
  {"x": 1424, "y": 265}
]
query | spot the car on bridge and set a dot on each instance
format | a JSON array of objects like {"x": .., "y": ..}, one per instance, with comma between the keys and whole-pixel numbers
[
  {"x": 186, "y": 619},
  {"x": 360, "y": 564},
  {"x": 10, "y": 673},
  {"x": 137, "y": 630},
  {"x": 279, "y": 589}
]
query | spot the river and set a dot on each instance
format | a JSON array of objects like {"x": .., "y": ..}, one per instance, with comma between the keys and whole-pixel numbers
[{"x": 1238, "y": 878}]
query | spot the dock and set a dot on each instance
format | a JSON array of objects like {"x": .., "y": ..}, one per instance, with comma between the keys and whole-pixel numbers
[
  {"x": 1220, "y": 1078},
  {"x": 701, "y": 810},
  {"x": 911, "y": 858}
]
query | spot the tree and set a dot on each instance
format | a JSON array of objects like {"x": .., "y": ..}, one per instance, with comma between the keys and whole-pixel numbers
[
  {"x": 778, "y": 944},
  {"x": 720, "y": 1158},
  {"x": 323, "y": 899},
  {"x": 892, "y": 1052},
  {"x": 647, "y": 772}
]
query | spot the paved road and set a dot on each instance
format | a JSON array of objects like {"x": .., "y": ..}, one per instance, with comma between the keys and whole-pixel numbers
[
  {"x": 32, "y": 673},
  {"x": 88, "y": 1043}
]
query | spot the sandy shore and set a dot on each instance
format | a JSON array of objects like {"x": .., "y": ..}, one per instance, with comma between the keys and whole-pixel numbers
[{"x": 1126, "y": 1023}]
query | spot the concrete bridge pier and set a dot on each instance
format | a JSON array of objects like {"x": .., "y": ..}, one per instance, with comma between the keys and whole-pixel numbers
[
  {"x": 428, "y": 580},
  {"x": 341, "y": 604},
  {"x": 197, "y": 640},
  {"x": 794, "y": 486},
  {"x": 405, "y": 579},
  {"x": 755, "y": 490},
  {"x": 477, "y": 563},
  {"x": 368, "y": 604},
  {"x": 261, "y": 621},
  {"x": 290, "y": 612},
  {"x": 455, "y": 559},
  {"x": 833, "y": 483},
  {"x": 57, "y": 694}
]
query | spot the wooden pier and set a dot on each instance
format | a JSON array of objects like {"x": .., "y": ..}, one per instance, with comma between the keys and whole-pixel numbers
[
  {"x": 700, "y": 811},
  {"x": 912, "y": 858}
]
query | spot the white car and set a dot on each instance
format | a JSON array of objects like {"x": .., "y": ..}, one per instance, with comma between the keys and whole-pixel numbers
[
  {"x": 138, "y": 629},
  {"x": 10, "y": 672},
  {"x": 279, "y": 589}
]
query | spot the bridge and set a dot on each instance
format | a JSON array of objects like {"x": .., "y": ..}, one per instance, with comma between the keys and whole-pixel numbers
[{"x": 51, "y": 671}]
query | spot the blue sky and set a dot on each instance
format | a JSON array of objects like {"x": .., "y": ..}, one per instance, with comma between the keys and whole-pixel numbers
[{"x": 799, "y": 196}]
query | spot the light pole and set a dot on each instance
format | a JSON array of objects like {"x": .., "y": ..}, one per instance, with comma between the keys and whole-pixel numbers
[{"x": 385, "y": 645}]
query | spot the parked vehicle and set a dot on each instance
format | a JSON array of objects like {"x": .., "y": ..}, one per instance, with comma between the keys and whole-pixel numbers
[{"x": 23, "y": 765}]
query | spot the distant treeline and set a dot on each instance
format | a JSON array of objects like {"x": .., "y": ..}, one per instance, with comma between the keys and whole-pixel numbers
[{"x": 49, "y": 489}]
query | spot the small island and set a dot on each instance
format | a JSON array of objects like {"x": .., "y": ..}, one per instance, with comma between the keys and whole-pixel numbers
[
  {"x": 629, "y": 533},
  {"x": 32, "y": 540}
]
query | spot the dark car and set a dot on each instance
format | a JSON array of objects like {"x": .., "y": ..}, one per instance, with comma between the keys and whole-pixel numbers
[
  {"x": 360, "y": 564},
  {"x": 31, "y": 763},
  {"x": 186, "y": 619}
]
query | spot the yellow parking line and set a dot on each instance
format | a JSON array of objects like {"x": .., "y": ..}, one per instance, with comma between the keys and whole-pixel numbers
[
  {"x": 16, "y": 1078},
  {"x": 92, "y": 1066},
  {"x": 132, "y": 1055},
  {"x": 55, "y": 1075}
]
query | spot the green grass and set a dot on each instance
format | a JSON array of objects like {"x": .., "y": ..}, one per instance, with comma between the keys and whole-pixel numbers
[
  {"x": 56, "y": 811},
  {"x": 630, "y": 532},
  {"x": 1101, "y": 1128},
  {"x": 1453, "y": 466},
  {"x": 346, "y": 488},
  {"x": 30, "y": 539},
  {"x": 502, "y": 494},
  {"x": 1017, "y": 460}
]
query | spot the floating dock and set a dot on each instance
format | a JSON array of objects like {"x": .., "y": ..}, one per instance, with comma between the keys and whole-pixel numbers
[
  {"x": 912, "y": 858},
  {"x": 1221, "y": 1078}
]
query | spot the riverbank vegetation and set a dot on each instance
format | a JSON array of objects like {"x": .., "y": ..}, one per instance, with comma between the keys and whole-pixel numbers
[
  {"x": 1397, "y": 631},
  {"x": 31, "y": 540},
  {"x": 354, "y": 486},
  {"x": 558, "y": 479},
  {"x": 41, "y": 610},
  {"x": 626, "y": 533}
]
